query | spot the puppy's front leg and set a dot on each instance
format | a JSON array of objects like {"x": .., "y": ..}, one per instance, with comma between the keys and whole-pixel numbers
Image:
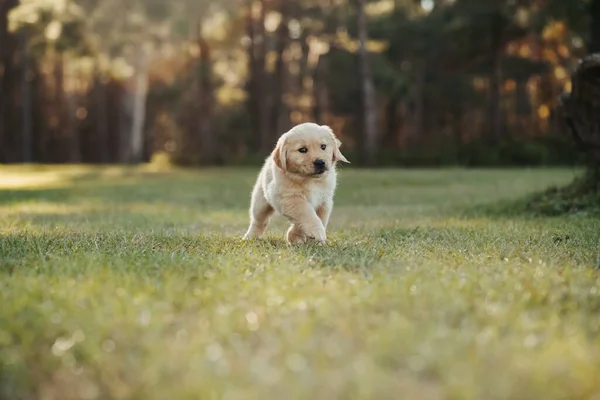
[
  {"x": 324, "y": 212},
  {"x": 305, "y": 221}
]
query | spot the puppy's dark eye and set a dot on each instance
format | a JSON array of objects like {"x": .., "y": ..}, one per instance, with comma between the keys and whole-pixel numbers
[
  {"x": 323, "y": 146},
  {"x": 303, "y": 150}
]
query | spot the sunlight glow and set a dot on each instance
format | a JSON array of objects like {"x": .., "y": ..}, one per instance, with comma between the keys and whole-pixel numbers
[
  {"x": 427, "y": 5},
  {"x": 20, "y": 181},
  {"x": 53, "y": 30}
]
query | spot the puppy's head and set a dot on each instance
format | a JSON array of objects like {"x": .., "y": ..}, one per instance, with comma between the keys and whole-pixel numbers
[{"x": 309, "y": 150}]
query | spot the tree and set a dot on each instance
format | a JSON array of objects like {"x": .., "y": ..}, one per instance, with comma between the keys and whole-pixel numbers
[
  {"x": 580, "y": 112},
  {"x": 48, "y": 32},
  {"x": 594, "y": 38},
  {"x": 196, "y": 78},
  {"x": 259, "y": 98},
  {"x": 204, "y": 101},
  {"x": 368, "y": 91},
  {"x": 279, "y": 79},
  {"x": 8, "y": 79},
  {"x": 581, "y": 108}
]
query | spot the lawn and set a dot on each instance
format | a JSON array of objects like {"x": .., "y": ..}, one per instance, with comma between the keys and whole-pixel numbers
[{"x": 133, "y": 283}]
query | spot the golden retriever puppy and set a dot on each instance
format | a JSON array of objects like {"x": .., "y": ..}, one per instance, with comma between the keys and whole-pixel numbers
[{"x": 297, "y": 181}]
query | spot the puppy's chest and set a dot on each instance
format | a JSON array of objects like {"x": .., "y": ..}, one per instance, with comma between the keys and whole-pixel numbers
[{"x": 318, "y": 195}]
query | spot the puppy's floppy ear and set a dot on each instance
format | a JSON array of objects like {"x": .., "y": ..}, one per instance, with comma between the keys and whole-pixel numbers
[
  {"x": 280, "y": 154},
  {"x": 337, "y": 154}
]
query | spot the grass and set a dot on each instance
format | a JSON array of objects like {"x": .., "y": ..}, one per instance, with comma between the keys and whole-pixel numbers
[
  {"x": 582, "y": 196},
  {"x": 128, "y": 283}
]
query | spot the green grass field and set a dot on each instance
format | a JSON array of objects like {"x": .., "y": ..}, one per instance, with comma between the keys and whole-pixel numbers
[{"x": 128, "y": 283}]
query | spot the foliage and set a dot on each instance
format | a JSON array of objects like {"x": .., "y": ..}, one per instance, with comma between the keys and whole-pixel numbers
[
  {"x": 549, "y": 150},
  {"x": 51, "y": 25},
  {"x": 465, "y": 74}
]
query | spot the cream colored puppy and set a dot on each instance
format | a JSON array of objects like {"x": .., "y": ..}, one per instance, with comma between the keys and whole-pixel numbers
[{"x": 297, "y": 181}]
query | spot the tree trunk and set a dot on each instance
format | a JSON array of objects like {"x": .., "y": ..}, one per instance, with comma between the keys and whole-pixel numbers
[
  {"x": 594, "y": 41},
  {"x": 392, "y": 124},
  {"x": 136, "y": 145},
  {"x": 8, "y": 48},
  {"x": 72, "y": 101},
  {"x": 204, "y": 98},
  {"x": 252, "y": 102},
  {"x": 418, "y": 119},
  {"x": 101, "y": 128},
  {"x": 369, "y": 107},
  {"x": 26, "y": 102},
  {"x": 320, "y": 91},
  {"x": 580, "y": 112},
  {"x": 594, "y": 47},
  {"x": 124, "y": 123},
  {"x": 263, "y": 93},
  {"x": 64, "y": 110},
  {"x": 299, "y": 85},
  {"x": 276, "y": 125},
  {"x": 258, "y": 91},
  {"x": 581, "y": 108},
  {"x": 523, "y": 109},
  {"x": 496, "y": 121}
]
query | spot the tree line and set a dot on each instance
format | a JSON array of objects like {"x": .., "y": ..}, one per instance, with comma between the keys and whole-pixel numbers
[{"x": 402, "y": 82}]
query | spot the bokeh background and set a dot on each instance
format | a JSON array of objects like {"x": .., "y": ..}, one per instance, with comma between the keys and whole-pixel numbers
[
  {"x": 132, "y": 281},
  {"x": 201, "y": 82}
]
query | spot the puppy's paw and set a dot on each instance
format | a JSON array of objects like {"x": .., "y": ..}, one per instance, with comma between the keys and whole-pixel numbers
[
  {"x": 318, "y": 236},
  {"x": 296, "y": 240},
  {"x": 253, "y": 233},
  {"x": 318, "y": 242},
  {"x": 295, "y": 235}
]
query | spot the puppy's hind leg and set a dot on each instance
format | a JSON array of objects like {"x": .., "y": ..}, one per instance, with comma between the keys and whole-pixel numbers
[{"x": 260, "y": 214}]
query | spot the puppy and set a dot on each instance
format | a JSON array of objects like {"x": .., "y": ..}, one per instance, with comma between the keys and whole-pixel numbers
[{"x": 297, "y": 181}]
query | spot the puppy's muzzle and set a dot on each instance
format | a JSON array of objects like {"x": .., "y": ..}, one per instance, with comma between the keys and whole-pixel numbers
[{"x": 320, "y": 166}]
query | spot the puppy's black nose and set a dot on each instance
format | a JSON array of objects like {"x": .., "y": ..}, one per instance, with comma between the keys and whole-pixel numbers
[{"x": 319, "y": 164}]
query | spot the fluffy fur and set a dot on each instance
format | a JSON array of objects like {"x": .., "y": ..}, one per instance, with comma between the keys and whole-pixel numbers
[{"x": 298, "y": 181}]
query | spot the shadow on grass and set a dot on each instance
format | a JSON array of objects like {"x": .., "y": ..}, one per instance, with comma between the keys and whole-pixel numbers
[
  {"x": 55, "y": 186},
  {"x": 398, "y": 247},
  {"x": 364, "y": 254},
  {"x": 13, "y": 196},
  {"x": 554, "y": 202},
  {"x": 124, "y": 220},
  {"x": 167, "y": 250},
  {"x": 582, "y": 196},
  {"x": 148, "y": 253},
  {"x": 208, "y": 192}
]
